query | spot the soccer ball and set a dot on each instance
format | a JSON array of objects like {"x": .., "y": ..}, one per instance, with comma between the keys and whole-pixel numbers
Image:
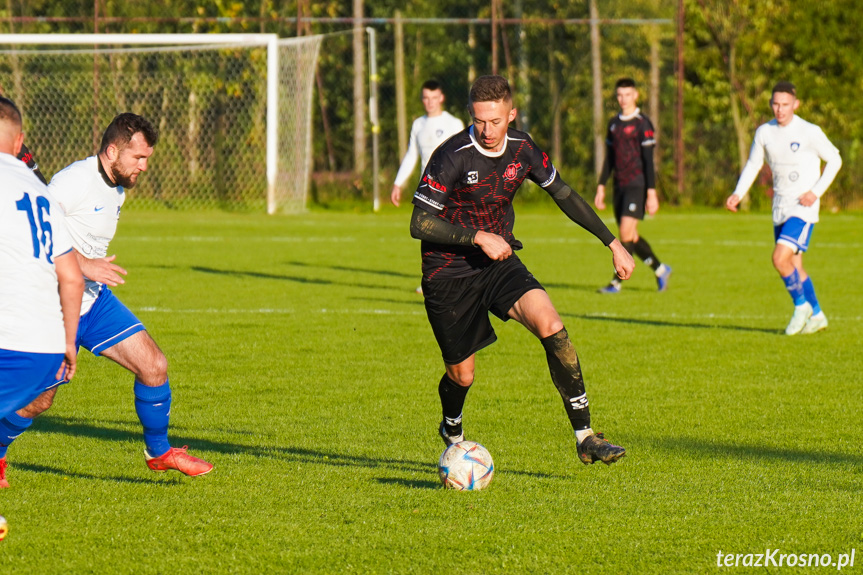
[
  {"x": 4, "y": 528},
  {"x": 466, "y": 466}
]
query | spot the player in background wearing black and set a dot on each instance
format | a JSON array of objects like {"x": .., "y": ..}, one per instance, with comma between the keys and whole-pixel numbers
[
  {"x": 464, "y": 216},
  {"x": 27, "y": 157},
  {"x": 629, "y": 154}
]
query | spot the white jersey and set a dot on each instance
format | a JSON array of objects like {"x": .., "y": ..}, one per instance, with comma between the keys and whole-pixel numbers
[
  {"x": 92, "y": 205},
  {"x": 794, "y": 153},
  {"x": 32, "y": 234},
  {"x": 426, "y": 135}
]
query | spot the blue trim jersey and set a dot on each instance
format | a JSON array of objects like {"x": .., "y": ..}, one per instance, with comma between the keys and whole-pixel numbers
[
  {"x": 32, "y": 234},
  {"x": 472, "y": 187},
  {"x": 91, "y": 204}
]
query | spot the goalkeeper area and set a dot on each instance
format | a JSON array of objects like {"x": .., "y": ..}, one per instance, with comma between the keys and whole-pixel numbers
[
  {"x": 233, "y": 110},
  {"x": 303, "y": 367}
]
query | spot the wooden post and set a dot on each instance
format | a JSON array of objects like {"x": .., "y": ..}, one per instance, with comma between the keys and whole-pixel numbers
[
  {"x": 596, "y": 65},
  {"x": 401, "y": 104},
  {"x": 654, "y": 91},
  {"x": 359, "y": 91},
  {"x": 494, "y": 36},
  {"x": 679, "y": 146}
]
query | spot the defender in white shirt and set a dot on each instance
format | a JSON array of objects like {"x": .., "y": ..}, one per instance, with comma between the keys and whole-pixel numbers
[
  {"x": 91, "y": 193},
  {"x": 40, "y": 283},
  {"x": 794, "y": 149},
  {"x": 427, "y": 133}
]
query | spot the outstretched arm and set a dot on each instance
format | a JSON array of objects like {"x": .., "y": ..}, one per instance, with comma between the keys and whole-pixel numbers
[{"x": 578, "y": 210}]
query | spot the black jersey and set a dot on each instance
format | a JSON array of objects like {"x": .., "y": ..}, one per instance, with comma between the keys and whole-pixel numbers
[
  {"x": 471, "y": 187},
  {"x": 27, "y": 157},
  {"x": 629, "y": 152}
]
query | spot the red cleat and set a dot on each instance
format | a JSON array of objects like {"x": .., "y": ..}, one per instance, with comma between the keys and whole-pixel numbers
[
  {"x": 3, "y": 483},
  {"x": 177, "y": 458}
]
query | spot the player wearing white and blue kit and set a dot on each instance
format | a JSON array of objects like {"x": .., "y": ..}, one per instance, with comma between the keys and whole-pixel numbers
[
  {"x": 40, "y": 281},
  {"x": 794, "y": 149},
  {"x": 427, "y": 133},
  {"x": 91, "y": 193}
]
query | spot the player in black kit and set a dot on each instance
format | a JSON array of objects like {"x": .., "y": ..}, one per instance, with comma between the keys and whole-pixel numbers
[
  {"x": 27, "y": 157},
  {"x": 464, "y": 216},
  {"x": 629, "y": 154}
]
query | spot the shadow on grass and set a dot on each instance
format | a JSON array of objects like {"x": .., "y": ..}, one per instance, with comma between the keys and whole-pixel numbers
[
  {"x": 390, "y": 273},
  {"x": 659, "y": 323},
  {"x": 66, "y": 473},
  {"x": 81, "y": 428},
  {"x": 297, "y": 279},
  {"x": 750, "y": 452},
  {"x": 591, "y": 288},
  {"x": 410, "y": 483}
]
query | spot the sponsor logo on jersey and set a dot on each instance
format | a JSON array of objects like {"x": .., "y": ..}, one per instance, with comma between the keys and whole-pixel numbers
[
  {"x": 795, "y": 146},
  {"x": 472, "y": 177},
  {"x": 628, "y": 130},
  {"x": 433, "y": 184},
  {"x": 438, "y": 133},
  {"x": 98, "y": 208},
  {"x": 511, "y": 172},
  {"x": 648, "y": 134},
  {"x": 793, "y": 176},
  {"x": 544, "y": 160}
]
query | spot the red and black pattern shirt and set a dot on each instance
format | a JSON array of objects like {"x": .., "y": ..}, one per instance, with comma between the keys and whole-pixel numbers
[
  {"x": 629, "y": 147},
  {"x": 471, "y": 187}
]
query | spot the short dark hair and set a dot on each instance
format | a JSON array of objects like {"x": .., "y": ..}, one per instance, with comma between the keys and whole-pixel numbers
[
  {"x": 490, "y": 89},
  {"x": 431, "y": 85},
  {"x": 786, "y": 87},
  {"x": 625, "y": 83},
  {"x": 9, "y": 111},
  {"x": 121, "y": 129}
]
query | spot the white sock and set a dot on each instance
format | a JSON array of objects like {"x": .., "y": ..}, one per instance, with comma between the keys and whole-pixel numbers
[{"x": 583, "y": 434}]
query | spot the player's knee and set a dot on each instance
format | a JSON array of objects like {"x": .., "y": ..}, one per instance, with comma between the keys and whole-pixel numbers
[
  {"x": 155, "y": 371},
  {"x": 462, "y": 376}
]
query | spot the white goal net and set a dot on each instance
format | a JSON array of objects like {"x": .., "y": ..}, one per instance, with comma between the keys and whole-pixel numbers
[{"x": 233, "y": 112}]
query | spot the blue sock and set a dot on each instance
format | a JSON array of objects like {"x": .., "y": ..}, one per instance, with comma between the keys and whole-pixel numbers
[
  {"x": 11, "y": 427},
  {"x": 795, "y": 288},
  {"x": 809, "y": 292},
  {"x": 153, "y": 405}
]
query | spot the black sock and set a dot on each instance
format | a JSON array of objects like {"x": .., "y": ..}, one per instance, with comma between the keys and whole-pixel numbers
[
  {"x": 452, "y": 397},
  {"x": 566, "y": 375},
  {"x": 645, "y": 252}
]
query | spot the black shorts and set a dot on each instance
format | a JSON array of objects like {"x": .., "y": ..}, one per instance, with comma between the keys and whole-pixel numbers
[
  {"x": 458, "y": 308},
  {"x": 629, "y": 201}
]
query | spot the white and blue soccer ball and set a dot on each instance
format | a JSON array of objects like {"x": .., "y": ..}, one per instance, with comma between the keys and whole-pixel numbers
[{"x": 466, "y": 466}]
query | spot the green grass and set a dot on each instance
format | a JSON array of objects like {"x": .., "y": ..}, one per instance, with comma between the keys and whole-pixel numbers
[{"x": 303, "y": 366}]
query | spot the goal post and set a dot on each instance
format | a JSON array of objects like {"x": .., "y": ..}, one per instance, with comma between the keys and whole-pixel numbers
[{"x": 233, "y": 110}]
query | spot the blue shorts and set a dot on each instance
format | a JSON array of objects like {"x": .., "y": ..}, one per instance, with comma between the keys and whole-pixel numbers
[
  {"x": 106, "y": 324},
  {"x": 23, "y": 376},
  {"x": 794, "y": 233}
]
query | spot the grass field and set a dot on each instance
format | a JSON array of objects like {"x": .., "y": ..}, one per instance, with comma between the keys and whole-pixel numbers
[{"x": 303, "y": 367}]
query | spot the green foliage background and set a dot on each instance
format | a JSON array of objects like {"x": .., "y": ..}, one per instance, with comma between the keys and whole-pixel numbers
[{"x": 815, "y": 44}]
